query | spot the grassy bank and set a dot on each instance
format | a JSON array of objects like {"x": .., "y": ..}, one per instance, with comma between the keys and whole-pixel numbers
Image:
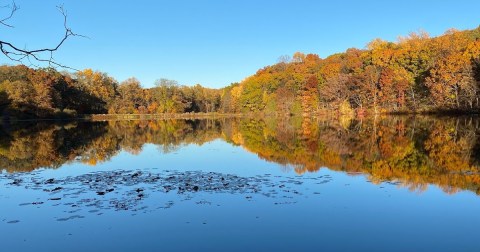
[
  {"x": 167, "y": 116},
  {"x": 106, "y": 117}
]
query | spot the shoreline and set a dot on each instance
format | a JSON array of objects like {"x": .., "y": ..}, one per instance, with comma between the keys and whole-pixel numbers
[
  {"x": 109, "y": 117},
  {"x": 215, "y": 115},
  {"x": 112, "y": 117}
]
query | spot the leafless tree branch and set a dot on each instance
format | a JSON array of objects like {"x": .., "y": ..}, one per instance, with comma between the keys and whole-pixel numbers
[
  {"x": 13, "y": 8},
  {"x": 20, "y": 55}
]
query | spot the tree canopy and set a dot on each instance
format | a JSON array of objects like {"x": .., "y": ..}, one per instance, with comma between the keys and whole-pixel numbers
[{"x": 415, "y": 74}]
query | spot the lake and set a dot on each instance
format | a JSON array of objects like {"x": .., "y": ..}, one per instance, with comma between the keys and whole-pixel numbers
[{"x": 238, "y": 184}]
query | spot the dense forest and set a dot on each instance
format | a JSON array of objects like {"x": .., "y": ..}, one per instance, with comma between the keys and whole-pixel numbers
[
  {"x": 26, "y": 92},
  {"x": 415, "y": 74},
  {"x": 412, "y": 151}
]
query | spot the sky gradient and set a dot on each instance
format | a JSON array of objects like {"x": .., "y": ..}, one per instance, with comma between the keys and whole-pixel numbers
[{"x": 216, "y": 42}]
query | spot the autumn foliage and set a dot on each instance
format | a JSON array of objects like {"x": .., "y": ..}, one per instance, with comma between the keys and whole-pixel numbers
[
  {"x": 415, "y": 74},
  {"x": 33, "y": 93}
]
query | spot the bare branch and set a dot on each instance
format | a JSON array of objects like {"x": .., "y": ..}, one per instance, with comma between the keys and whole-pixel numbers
[
  {"x": 18, "y": 54},
  {"x": 13, "y": 8}
]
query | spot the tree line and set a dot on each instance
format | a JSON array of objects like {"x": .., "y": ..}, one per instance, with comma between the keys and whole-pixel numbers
[
  {"x": 415, "y": 74},
  {"x": 27, "y": 92}
]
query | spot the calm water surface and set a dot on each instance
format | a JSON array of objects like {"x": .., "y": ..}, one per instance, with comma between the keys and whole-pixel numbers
[{"x": 383, "y": 184}]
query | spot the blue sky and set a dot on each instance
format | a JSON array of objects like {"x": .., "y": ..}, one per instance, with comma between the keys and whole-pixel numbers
[{"x": 216, "y": 42}]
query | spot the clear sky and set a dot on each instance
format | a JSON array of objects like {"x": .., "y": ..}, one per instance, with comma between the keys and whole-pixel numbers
[{"x": 218, "y": 42}]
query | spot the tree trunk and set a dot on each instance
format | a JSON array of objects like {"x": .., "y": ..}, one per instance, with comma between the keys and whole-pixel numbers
[{"x": 413, "y": 98}]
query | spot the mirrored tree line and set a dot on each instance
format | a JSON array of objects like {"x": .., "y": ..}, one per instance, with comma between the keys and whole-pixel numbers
[{"x": 415, "y": 152}]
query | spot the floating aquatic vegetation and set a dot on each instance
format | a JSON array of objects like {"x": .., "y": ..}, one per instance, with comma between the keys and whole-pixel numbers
[{"x": 123, "y": 190}]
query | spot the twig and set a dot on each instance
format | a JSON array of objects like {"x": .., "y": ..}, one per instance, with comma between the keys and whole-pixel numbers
[{"x": 17, "y": 54}]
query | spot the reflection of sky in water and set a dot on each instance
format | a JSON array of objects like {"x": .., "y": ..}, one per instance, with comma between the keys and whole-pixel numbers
[{"x": 346, "y": 213}]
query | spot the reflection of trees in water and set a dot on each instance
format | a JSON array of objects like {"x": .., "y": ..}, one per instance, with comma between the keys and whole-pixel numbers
[
  {"x": 52, "y": 145},
  {"x": 49, "y": 145},
  {"x": 413, "y": 151}
]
